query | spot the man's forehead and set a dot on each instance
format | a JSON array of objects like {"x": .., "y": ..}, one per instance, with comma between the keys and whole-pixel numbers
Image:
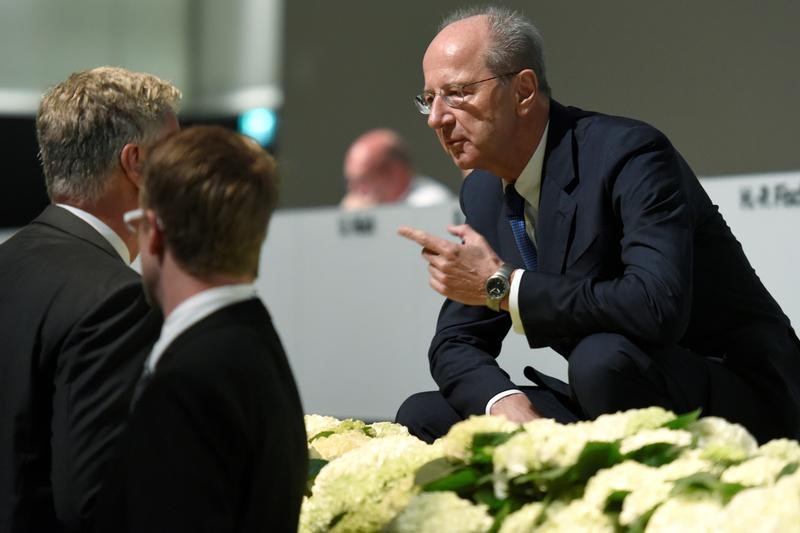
[{"x": 457, "y": 48}]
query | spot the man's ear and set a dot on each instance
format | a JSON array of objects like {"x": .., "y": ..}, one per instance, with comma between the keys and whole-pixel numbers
[
  {"x": 526, "y": 90},
  {"x": 154, "y": 235},
  {"x": 130, "y": 160}
]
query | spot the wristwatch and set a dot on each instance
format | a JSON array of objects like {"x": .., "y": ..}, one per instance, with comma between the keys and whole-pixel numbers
[{"x": 497, "y": 286}]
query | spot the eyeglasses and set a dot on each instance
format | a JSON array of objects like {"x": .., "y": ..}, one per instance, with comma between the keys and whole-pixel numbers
[
  {"x": 453, "y": 95},
  {"x": 132, "y": 218}
]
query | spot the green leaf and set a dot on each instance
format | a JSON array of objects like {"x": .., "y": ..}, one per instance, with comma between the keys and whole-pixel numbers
[
  {"x": 708, "y": 483},
  {"x": 435, "y": 470},
  {"x": 683, "y": 421},
  {"x": 506, "y": 509},
  {"x": 321, "y": 435},
  {"x": 788, "y": 470},
  {"x": 369, "y": 432},
  {"x": 314, "y": 466},
  {"x": 699, "y": 482},
  {"x": 560, "y": 481},
  {"x": 464, "y": 478},
  {"x": 656, "y": 454},
  {"x": 483, "y": 445},
  {"x": 594, "y": 456},
  {"x": 615, "y": 500},
  {"x": 493, "y": 439},
  {"x": 485, "y": 495},
  {"x": 640, "y": 523}
]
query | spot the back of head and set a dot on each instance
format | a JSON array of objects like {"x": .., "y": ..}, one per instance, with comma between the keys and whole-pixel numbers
[
  {"x": 84, "y": 122},
  {"x": 214, "y": 191},
  {"x": 516, "y": 44}
]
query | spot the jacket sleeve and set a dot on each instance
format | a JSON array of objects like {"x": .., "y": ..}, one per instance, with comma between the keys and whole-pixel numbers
[
  {"x": 100, "y": 363},
  {"x": 649, "y": 299},
  {"x": 468, "y": 338}
]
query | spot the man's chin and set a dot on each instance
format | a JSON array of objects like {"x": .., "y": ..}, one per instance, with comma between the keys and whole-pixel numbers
[{"x": 462, "y": 161}]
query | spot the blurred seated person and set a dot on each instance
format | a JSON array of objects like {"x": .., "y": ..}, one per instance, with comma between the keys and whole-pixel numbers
[{"x": 378, "y": 170}]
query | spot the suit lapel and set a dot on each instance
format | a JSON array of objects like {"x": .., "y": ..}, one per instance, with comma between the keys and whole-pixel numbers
[{"x": 556, "y": 225}]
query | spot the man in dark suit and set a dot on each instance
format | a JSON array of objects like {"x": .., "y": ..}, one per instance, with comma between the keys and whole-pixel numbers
[
  {"x": 74, "y": 324},
  {"x": 589, "y": 234},
  {"x": 216, "y": 441}
]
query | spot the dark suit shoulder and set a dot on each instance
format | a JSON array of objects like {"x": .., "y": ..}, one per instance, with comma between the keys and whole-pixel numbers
[
  {"x": 610, "y": 132},
  {"x": 237, "y": 345}
]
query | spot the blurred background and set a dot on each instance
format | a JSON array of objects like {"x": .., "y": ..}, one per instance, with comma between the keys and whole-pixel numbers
[{"x": 719, "y": 77}]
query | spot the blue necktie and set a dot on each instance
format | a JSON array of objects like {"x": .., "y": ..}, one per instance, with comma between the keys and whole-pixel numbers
[{"x": 516, "y": 217}]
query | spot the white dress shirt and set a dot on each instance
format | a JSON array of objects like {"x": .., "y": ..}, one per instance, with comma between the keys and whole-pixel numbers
[
  {"x": 193, "y": 310},
  {"x": 528, "y": 185},
  {"x": 425, "y": 191},
  {"x": 102, "y": 228}
]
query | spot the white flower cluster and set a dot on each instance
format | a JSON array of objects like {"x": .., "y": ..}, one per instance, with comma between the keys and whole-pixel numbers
[
  {"x": 641, "y": 470},
  {"x": 440, "y": 512},
  {"x": 330, "y": 437},
  {"x": 369, "y": 478}
]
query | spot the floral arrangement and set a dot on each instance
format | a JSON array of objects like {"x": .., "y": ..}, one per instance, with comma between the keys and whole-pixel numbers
[{"x": 641, "y": 470}]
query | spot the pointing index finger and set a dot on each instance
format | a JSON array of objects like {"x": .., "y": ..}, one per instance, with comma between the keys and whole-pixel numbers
[{"x": 424, "y": 239}]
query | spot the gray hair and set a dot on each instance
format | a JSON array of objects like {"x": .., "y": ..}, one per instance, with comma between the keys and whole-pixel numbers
[
  {"x": 84, "y": 122},
  {"x": 516, "y": 43}
]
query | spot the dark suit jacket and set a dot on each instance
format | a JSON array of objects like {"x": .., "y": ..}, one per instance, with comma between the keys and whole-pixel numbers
[
  {"x": 73, "y": 330},
  {"x": 628, "y": 243},
  {"x": 216, "y": 442}
]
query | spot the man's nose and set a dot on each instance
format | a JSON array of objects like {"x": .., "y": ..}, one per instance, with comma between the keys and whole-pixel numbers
[{"x": 439, "y": 113}]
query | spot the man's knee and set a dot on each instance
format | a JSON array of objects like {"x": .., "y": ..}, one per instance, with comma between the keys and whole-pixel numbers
[
  {"x": 411, "y": 410},
  {"x": 427, "y": 415},
  {"x": 602, "y": 356},
  {"x": 608, "y": 373}
]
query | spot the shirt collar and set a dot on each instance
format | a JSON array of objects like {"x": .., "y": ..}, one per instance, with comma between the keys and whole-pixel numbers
[
  {"x": 193, "y": 310},
  {"x": 103, "y": 229},
  {"x": 529, "y": 182}
]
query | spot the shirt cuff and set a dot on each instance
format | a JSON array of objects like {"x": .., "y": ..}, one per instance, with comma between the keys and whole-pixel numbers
[
  {"x": 513, "y": 302},
  {"x": 499, "y": 396}
]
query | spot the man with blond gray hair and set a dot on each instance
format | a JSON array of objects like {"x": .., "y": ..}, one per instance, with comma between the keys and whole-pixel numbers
[
  {"x": 216, "y": 440},
  {"x": 74, "y": 325}
]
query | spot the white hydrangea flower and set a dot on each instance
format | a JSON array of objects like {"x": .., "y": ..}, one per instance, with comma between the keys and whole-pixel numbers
[
  {"x": 440, "y": 512},
  {"x": 374, "y": 480},
  {"x": 388, "y": 429},
  {"x": 754, "y": 472},
  {"x": 557, "y": 444},
  {"x": 543, "y": 444},
  {"x": 458, "y": 441},
  {"x": 523, "y": 519},
  {"x": 788, "y": 450},
  {"x": 615, "y": 426},
  {"x": 577, "y": 515},
  {"x": 774, "y": 508},
  {"x": 696, "y": 514},
  {"x": 333, "y": 446},
  {"x": 374, "y": 514},
  {"x": 318, "y": 423},
  {"x": 723, "y": 441},
  {"x": 626, "y": 476},
  {"x": 646, "y": 437},
  {"x": 689, "y": 463},
  {"x": 645, "y": 485}
]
